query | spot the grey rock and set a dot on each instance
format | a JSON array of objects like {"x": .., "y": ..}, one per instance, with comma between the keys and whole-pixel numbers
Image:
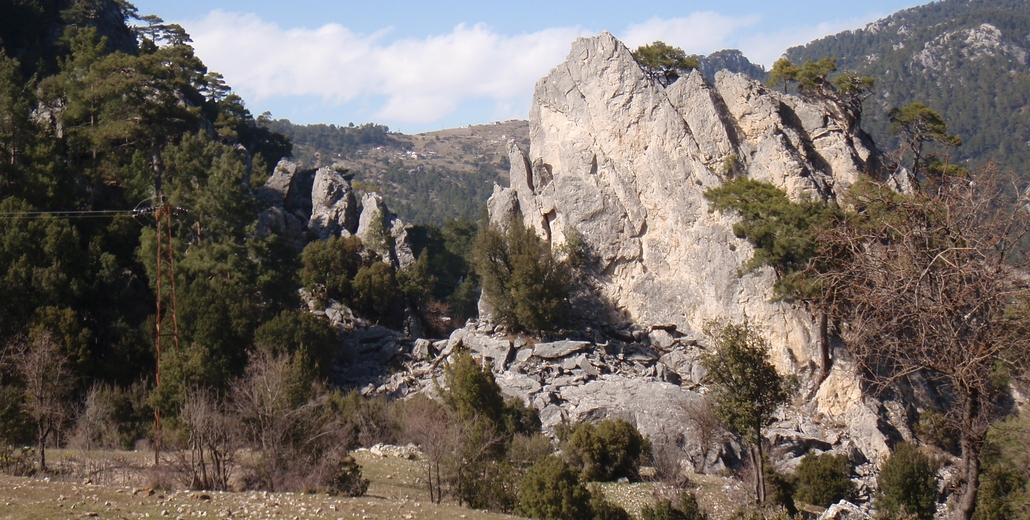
[
  {"x": 518, "y": 385},
  {"x": 423, "y": 349},
  {"x": 277, "y": 186},
  {"x": 383, "y": 232},
  {"x": 334, "y": 209},
  {"x": 660, "y": 338},
  {"x": 498, "y": 351},
  {"x": 276, "y": 220},
  {"x": 655, "y": 407},
  {"x": 796, "y": 443},
  {"x": 679, "y": 362},
  {"x": 698, "y": 373},
  {"x": 588, "y": 368},
  {"x": 573, "y": 362},
  {"x": 523, "y": 354},
  {"x": 559, "y": 349},
  {"x": 551, "y": 416},
  {"x": 844, "y": 510},
  {"x": 502, "y": 206}
]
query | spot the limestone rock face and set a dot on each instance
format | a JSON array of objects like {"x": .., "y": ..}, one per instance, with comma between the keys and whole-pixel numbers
[
  {"x": 378, "y": 228},
  {"x": 334, "y": 209},
  {"x": 625, "y": 162},
  {"x": 277, "y": 187}
]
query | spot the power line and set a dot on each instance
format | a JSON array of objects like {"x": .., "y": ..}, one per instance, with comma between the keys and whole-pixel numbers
[{"x": 68, "y": 214}]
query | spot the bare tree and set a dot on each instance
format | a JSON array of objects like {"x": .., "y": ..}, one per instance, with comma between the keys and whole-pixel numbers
[
  {"x": 47, "y": 380},
  {"x": 700, "y": 417},
  {"x": 302, "y": 441},
  {"x": 933, "y": 285},
  {"x": 213, "y": 438},
  {"x": 430, "y": 425},
  {"x": 273, "y": 402}
]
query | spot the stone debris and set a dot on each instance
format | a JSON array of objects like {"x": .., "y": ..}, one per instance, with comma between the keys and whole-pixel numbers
[{"x": 845, "y": 510}]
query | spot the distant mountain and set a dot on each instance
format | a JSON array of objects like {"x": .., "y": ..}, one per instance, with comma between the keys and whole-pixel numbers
[
  {"x": 731, "y": 60},
  {"x": 967, "y": 59}
]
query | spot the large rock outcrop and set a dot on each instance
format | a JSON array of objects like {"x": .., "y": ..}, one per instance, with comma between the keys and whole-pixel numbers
[
  {"x": 624, "y": 162},
  {"x": 334, "y": 209}
]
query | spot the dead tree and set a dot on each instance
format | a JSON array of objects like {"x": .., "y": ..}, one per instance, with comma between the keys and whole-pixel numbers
[
  {"x": 47, "y": 380},
  {"x": 933, "y": 285}
]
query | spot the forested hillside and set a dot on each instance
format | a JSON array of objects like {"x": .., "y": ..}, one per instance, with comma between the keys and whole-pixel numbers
[
  {"x": 97, "y": 119},
  {"x": 966, "y": 59},
  {"x": 107, "y": 118}
]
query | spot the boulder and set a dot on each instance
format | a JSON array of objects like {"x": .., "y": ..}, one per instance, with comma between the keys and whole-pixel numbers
[
  {"x": 497, "y": 351},
  {"x": 423, "y": 349},
  {"x": 276, "y": 220},
  {"x": 559, "y": 349},
  {"x": 384, "y": 232},
  {"x": 655, "y": 407},
  {"x": 277, "y": 186},
  {"x": 334, "y": 210},
  {"x": 844, "y": 510}
]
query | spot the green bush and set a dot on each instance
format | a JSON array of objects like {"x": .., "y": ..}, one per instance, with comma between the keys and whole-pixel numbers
[
  {"x": 518, "y": 418},
  {"x": 933, "y": 428},
  {"x": 1003, "y": 495},
  {"x": 329, "y": 266},
  {"x": 1005, "y": 476},
  {"x": 487, "y": 476},
  {"x": 686, "y": 508},
  {"x": 823, "y": 480},
  {"x": 375, "y": 290},
  {"x": 375, "y": 419},
  {"x": 662, "y": 510},
  {"x": 292, "y": 331},
  {"x": 472, "y": 391},
  {"x": 908, "y": 483},
  {"x": 761, "y": 513},
  {"x": 550, "y": 490},
  {"x": 525, "y": 285},
  {"x": 347, "y": 479},
  {"x": 605, "y": 452},
  {"x": 780, "y": 489}
]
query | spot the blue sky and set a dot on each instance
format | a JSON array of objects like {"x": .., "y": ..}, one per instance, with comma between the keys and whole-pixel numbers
[{"x": 419, "y": 66}]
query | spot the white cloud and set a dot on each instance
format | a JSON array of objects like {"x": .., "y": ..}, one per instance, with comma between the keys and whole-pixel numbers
[
  {"x": 699, "y": 33},
  {"x": 421, "y": 79}
]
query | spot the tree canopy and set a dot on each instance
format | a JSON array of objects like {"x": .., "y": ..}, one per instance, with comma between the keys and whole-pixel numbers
[{"x": 664, "y": 63}]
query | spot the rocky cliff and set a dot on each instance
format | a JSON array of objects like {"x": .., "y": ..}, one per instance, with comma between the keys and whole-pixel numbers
[{"x": 624, "y": 163}]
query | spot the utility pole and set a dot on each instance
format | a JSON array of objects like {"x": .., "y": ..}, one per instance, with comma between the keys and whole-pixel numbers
[{"x": 164, "y": 287}]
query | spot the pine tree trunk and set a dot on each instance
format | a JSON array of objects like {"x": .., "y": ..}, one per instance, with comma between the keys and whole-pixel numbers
[
  {"x": 756, "y": 467},
  {"x": 761, "y": 473}
]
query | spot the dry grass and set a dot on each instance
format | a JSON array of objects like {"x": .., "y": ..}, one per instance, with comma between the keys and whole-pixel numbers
[
  {"x": 104, "y": 484},
  {"x": 395, "y": 493}
]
